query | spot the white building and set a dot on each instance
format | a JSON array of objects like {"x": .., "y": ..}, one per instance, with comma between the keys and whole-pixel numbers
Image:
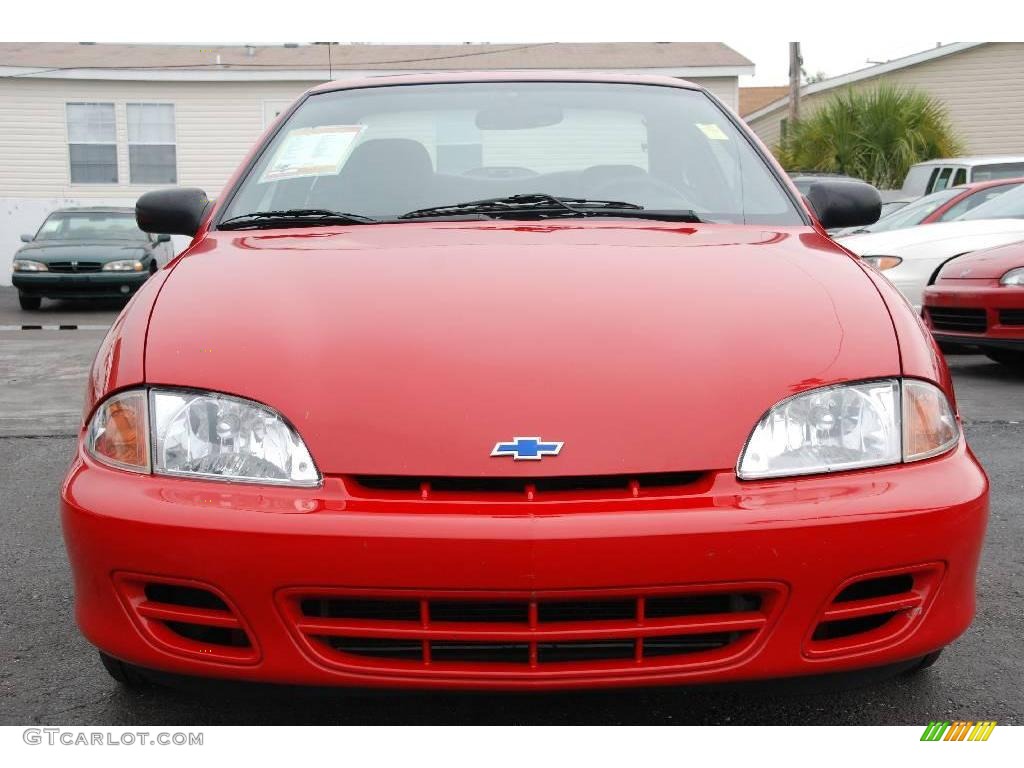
[
  {"x": 980, "y": 84},
  {"x": 91, "y": 124}
]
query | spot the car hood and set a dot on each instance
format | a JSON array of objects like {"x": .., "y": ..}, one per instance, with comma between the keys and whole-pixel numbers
[
  {"x": 989, "y": 264},
  {"x": 93, "y": 250},
  {"x": 412, "y": 349},
  {"x": 947, "y": 237}
]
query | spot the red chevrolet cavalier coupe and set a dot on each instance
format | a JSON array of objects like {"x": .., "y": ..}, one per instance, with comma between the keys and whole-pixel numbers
[
  {"x": 518, "y": 381},
  {"x": 978, "y": 301}
]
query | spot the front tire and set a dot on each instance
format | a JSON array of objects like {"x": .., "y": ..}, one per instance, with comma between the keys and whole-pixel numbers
[
  {"x": 29, "y": 302},
  {"x": 1007, "y": 357},
  {"x": 923, "y": 663},
  {"x": 124, "y": 674}
]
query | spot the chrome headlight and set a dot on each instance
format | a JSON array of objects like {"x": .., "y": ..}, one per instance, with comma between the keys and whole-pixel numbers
[
  {"x": 226, "y": 438},
  {"x": 199, "y": 434},
  {"x": 1013, "y": 277},
  {"x": 28, "y": 265},
  {"x": 123, "y": 265},
  {"x": 850, "y": 426},
  {"x": 883, "y": 263}
]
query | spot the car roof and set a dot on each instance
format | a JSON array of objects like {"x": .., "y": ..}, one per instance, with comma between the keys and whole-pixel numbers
[
  {"x": 973, "y": 160},
  {"x": 976, "y": 185},
  {"x": 515, "y": 75},
  {"x": 95, "y": 209}
]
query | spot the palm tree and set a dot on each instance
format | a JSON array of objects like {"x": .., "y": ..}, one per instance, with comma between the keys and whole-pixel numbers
[{"x": 874, "y": 134}]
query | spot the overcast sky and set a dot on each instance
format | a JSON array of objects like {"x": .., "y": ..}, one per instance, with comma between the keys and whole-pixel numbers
[{"x": 831, "y": 55}]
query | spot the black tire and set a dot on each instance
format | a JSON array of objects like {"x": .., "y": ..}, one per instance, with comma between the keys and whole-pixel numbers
[
  {"x": 1007, "y": 357},
  {"x": 923, "y": 663},
  {"x": 29, "y": 302},
  {"x": 125, "y": 674}
]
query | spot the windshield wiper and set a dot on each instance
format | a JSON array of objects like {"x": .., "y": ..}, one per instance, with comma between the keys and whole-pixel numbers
[
  {"x": 294, "y": 217},
  {"x": 543, "y": 205}
]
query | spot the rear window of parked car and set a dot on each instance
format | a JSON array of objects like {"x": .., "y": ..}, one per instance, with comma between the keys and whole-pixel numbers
[{"x": 997, "y": 171}]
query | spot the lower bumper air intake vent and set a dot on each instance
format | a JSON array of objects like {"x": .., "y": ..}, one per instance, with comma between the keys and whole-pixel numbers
[
  {"x": 187, "y": 618},
  {"x": 873, "y": 610},
  {"x": 543, "y": 633}
]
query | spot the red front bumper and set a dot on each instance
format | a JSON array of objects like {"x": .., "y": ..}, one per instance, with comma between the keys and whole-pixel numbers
[
  {"x": 726, "y": 581},
  {"x": 976, "y": 312}
]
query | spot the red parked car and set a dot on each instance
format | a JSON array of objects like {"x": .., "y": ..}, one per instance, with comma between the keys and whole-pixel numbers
[
  {"x": 978, "y": 301},
  {"x": 945, "y": 205},
  {"x": 518, "y": 381}
]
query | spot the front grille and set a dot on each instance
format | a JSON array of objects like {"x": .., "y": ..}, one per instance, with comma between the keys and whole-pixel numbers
[
  {"x": 75, "y": 266},
  {"x": 186, "y": 618},
  {"x": 958, "y": 319},
  {"x": 1011, "y": 316},
  {"x": 873, "y": 610},
  {"x": 531, "y": 634},
  {"x": 611, "y": 486}
]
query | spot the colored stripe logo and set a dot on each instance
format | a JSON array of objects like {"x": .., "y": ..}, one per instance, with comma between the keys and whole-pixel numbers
[{"x": 961, "y": 730}]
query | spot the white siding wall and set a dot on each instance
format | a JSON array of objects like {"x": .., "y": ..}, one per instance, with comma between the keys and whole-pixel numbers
[
  {"x": 725, "y": 88},
  {"x": 982, "y": 87},
  {"x": 216, "y": 123}
]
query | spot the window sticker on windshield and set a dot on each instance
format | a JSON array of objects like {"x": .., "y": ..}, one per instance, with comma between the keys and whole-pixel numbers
[
  {"x": 317, "y": 151},
  {"x": 712, "y": 131}
]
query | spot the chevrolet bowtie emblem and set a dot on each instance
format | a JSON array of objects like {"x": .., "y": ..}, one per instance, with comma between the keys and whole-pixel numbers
[{"x": 527, "y": 449}]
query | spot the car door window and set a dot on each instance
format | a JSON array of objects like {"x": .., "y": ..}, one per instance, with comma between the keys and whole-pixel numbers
[
  {"x": 960, "y": 177},
  {"x": 943, "y": 179}
]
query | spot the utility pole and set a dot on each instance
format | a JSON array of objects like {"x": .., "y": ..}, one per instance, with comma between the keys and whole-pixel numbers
[{"x": 795, "y": 68}]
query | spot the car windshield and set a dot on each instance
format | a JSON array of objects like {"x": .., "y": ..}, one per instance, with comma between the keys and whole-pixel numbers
[
  {"x": 913, "y": 213},
  {"x": 1009, "y": 205},
  {"x": 89, "y": 225},
  {"x": 386, "y": 151}
]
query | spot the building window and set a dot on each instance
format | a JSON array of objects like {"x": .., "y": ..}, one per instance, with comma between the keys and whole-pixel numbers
[
  {"x": 152, "y": 155},
  {"x": 92, "y": 143}
]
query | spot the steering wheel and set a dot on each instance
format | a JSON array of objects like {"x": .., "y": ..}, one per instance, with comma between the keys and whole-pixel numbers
[{"x": 654, "y": 192}]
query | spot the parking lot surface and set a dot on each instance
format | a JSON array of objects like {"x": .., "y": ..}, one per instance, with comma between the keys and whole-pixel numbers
[{"x": 50, "y": 675}]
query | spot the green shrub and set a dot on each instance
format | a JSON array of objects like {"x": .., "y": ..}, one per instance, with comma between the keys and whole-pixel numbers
[{"x": 874, "y": 134}]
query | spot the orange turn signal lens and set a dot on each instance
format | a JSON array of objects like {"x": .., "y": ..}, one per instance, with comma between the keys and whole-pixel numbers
[
  {"x": 929, "y": 425},
  {"x": 118, "y": 433},
  {"x": 883, "y": 263}
]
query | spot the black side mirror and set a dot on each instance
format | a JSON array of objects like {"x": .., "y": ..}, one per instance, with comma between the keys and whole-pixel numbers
[
  {"x": 176, "y": 211},
  {"x": 27, "y": 238},
  {"x": 163, "y": 238},
  {"x": 843, "y": 203}
]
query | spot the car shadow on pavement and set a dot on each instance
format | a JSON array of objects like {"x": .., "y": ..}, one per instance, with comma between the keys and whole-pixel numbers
[
  {"x": 84, "y": 306},
  {"x": 835, "y": 699}
]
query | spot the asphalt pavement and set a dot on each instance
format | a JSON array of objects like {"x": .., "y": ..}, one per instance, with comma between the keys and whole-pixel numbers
[{"x": 50, "y": 675}]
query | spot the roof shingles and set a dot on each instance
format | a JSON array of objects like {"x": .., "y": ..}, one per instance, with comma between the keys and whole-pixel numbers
[{"x": 63, "y": 56}]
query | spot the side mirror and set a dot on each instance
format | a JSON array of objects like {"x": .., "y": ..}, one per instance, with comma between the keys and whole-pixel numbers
[
  {"x": 163, "y": 238},
  {"x": 27, "y": 238},
  {"x": 843, "y": 203},
  {"x": 176, "y": 211}
]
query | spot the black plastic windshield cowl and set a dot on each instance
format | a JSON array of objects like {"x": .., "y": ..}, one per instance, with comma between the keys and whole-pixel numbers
[{"x": 297, "y": 217}]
